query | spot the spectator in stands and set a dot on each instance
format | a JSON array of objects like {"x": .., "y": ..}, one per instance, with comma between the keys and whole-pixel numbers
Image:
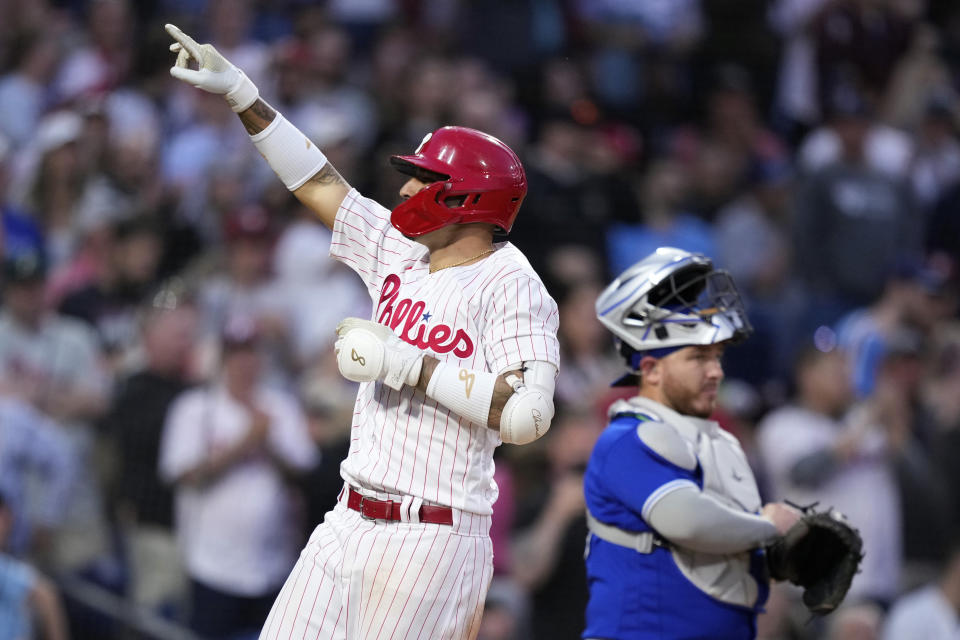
[
  {"x": 24, "y": 91},
  {"x": 620, "y": 29},
  {"x": 49, "y": 179},
  {"x": 942, "y": 406},
  {"x": 104, "y": 59},
  {"x": 134, "y": 423},
  {"x": 326, "y": 402},
  {"x": 753, "y": 243},
  {"x": 885, "y": 148},
  {"x": 555, "y": 211},
  {"x": 823, "y": 448},
  {"x": 209, "y": 144},
  {"x": 246, "y": 287},
  {"x": 731, "y": 142},
  {"x": 859, "y": 42},
  {"x": 915, "y": 298},
  {"x": 19, "y": 233},
  {"x": 26, "y": 596},
  {"x": 926, "y": 518},
  {"x": 228, "y": 449},
  {"x": 851, "y": 222},
  {"x": 551, "y": 528},
  {"x": 109, "y": 305},
  {"x": 943, "y": 232},
  {"x": 860, "y": 621},
  {"x": 317, "y": 291},
  {"x": 36, "y": 476},
  {"x": 231, "y": 24},
  {"x": 935, "y": 167},
  {"x": 54, "y": 364},
  {"x": 930, "y": 612},
  {"x": 665, "y": 221},
  {"x": 589, "y": 361},
  {"x": 506, "y": 613}
]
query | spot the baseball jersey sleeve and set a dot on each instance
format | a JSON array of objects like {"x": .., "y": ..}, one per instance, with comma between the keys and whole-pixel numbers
[
  {"x": 521, "y": 324},
  {"x": 638, "y": 477},
  {"x": 364, "y": 240}
]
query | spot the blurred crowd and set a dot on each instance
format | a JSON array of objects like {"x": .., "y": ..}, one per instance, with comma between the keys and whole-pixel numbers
[{"x": 167, "y": 392}]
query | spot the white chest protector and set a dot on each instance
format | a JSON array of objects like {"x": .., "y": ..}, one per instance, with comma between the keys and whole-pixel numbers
[{"x": 726, "y": 477}]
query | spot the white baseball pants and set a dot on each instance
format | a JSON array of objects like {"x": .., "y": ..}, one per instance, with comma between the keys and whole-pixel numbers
[{"x": 361, "y": 579}]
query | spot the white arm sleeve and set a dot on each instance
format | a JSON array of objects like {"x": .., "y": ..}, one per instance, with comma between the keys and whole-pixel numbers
[
  {"x": 464, "y": 391},
  {"x": 693, "y": 520},
  {"x": 291, "y": 154}
]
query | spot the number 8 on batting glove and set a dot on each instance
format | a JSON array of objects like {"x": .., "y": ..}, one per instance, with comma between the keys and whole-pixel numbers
[{"x": 368, "y": 351}]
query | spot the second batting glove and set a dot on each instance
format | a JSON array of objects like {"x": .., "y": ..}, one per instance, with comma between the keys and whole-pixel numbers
[
  {"x": 215, "y": 73},
  {"x": 368, "y": 351}
]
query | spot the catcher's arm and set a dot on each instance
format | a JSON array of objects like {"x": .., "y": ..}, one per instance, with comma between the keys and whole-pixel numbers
[
  {"x": 294, "y": 158},
  {"x": 694, "y": 520}
]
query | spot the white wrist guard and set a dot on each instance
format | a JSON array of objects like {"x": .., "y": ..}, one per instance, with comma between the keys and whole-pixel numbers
[
  {"x": 466, "y": 392},
  {"x": 243, "y": 93},
  {"x": 291, "y": 155},
  {"x": 368, "y": 351},
  {"x": 528, "y": 412}
]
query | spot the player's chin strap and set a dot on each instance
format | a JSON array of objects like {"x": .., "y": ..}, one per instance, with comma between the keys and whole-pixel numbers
[{"x": 527, "y": 413}]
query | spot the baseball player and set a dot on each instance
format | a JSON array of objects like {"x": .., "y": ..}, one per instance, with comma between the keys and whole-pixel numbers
[
  {"x": 676, "y": 525},
  {"x": 461, "y": 354}
]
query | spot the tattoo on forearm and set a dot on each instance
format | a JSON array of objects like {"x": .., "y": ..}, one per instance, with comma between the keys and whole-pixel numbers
[
  {"x": 429, "y": 364},
  {"x": 501, "y": 393},
  {"x": 328, "y": 175},
  {"x": 257, "y": 117}
]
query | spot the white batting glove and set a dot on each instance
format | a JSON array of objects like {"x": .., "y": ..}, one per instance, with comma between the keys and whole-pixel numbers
[
  {"x": 215, "y": 73},
  {"x": 368, "y": 351}
]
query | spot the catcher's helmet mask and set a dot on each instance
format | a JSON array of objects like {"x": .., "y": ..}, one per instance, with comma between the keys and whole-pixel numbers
[{"x": 669, "y": 300}]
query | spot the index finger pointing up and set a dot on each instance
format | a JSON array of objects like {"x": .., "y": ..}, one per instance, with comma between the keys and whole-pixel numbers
[{"x": 186, "y": 41}]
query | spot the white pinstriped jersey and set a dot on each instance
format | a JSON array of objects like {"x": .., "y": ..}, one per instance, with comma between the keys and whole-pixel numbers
[{"x": 485, "y": 316}]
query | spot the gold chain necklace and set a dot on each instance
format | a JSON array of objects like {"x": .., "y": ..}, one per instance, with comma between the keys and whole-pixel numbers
[{"x": 462, "y": 262}]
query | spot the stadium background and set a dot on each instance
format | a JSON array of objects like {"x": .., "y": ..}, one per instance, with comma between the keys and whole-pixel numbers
[{"x": 808, "y": 146}]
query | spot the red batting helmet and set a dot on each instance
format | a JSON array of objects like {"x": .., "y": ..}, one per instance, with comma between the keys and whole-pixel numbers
[{"x": 473, "y": 177}]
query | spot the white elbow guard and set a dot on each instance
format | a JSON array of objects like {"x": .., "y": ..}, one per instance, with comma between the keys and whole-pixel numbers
[
  {"x": 528, "y": 412},
  {"x": 290, "y": 153}
]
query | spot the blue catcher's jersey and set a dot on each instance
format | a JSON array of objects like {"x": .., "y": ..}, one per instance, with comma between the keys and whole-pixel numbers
[{"x": 645, "y": 596}]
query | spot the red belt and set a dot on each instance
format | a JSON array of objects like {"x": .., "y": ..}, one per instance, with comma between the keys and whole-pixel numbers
[{"x": 372, "y": 509}]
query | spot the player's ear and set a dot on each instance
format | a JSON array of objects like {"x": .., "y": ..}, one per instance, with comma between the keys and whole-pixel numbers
[{"x": 650, "y": 370}]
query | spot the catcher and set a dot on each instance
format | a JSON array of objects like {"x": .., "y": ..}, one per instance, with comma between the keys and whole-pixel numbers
[{"x": 677, "y": 533}]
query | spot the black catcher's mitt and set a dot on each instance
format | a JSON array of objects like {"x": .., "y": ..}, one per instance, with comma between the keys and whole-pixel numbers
[{"x": 821, "y": 553}]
